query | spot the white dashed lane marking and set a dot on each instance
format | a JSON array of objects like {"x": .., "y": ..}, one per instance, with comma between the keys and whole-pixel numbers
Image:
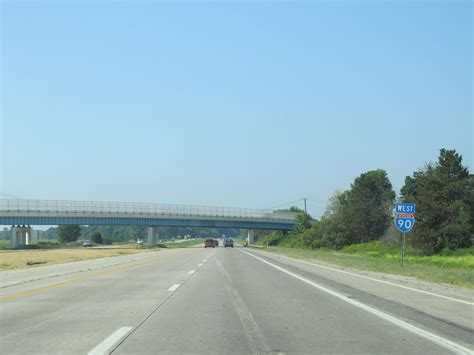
[
  {"x": 174, "y": 287},
  {"x": 107, "y": 344}
]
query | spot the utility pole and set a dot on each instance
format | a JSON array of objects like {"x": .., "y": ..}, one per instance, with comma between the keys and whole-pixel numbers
[{"x": 305, "y": 214}]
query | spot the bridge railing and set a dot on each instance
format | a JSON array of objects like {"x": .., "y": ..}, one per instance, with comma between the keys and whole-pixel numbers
[{"x": 128, "y": 208}]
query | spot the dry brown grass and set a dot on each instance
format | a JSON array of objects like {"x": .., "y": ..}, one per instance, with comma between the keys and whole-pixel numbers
[{"x": 18, "y": 258}]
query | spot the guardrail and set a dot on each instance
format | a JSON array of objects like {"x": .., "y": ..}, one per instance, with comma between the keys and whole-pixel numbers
[{"x": 150, "y": 209}]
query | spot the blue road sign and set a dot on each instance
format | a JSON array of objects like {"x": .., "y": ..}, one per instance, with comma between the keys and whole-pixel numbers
[
  {"x": 405, "y": 208},
  {"x": 405, "y": 216}
]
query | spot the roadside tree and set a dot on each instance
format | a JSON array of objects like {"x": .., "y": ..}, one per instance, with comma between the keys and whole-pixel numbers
[
  {"x": 444, "y": 197},
  {"x": 366, "y": 214},
  {"x": 68, "y": 233}
]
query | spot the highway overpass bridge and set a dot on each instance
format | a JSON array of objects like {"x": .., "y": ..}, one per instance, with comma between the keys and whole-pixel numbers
[{"x": 20, "y": 214}]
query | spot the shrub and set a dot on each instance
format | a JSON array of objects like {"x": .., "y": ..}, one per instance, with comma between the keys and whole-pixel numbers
[
  {"x": 107, "y": 241},
  {"x": 97, "y": 238},
  {"x": 48, "y": 242}
]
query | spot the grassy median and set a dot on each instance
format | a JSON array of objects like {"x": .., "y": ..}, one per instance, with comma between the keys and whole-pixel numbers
[
  {"x": 185, "y": 244},
  {"x": 15, "y": 259},
  {"x": 456, "y": 268}
]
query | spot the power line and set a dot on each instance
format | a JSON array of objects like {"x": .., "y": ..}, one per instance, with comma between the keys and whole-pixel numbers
[
  {"x": 317, "y": 203},
  {"x": 284, "y": 204},
  {"x": 318, "y": 199}
]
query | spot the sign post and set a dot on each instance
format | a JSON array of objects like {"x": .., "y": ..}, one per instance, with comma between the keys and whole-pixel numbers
[
  {"x": 404, "y": 221},
  {"x": 403, "y": 249}
]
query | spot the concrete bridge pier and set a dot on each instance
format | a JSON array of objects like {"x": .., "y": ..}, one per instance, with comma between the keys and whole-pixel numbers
[
  {"x": 152, "y": 235},
  {"x": 21, "y": 236},
  {"x": 250, "y": 236}
]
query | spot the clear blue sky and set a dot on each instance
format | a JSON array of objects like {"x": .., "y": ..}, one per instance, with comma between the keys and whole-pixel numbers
[{"x": 243, "y": 104}]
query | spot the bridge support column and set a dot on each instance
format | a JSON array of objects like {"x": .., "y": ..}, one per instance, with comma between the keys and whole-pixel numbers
[
  {"x": 152, "y": 235},
  {"x": 29, "y": 236},
  {"x": 250, "y": 236},
  {"x": 20, "y": 236},
  {"x": 15, "y": 237}
]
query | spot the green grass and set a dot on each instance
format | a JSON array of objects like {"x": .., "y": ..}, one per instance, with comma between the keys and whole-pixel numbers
[
  {"x": 456, "y": 268},
  {"x": 187, "y": 243},
  {"x": 4, "y": 244},
  {"x": 55, "y": 244}
]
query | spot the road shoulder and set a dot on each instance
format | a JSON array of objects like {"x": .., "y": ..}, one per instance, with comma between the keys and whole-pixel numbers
[{"x": 429, "y": 304}]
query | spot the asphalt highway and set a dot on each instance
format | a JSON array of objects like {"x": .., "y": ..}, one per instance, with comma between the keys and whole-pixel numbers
[{"x": 226, "y": 301}]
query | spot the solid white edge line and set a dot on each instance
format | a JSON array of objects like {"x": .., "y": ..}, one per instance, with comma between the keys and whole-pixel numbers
[
  {"x": 174, "y": 287},
  {"x": 377, "y": 280},
  {"x": 448, "y": 344},
  {"x": 108, "y": 343},
  {"x": 191, "y": 272}
]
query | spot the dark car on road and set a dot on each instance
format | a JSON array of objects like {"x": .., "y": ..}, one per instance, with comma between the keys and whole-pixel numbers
[
  {"x": 209, "y": 243},
  {"x": 228, "y": 243}
]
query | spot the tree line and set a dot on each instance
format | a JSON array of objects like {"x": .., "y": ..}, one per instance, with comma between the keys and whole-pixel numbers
[
  {"x": 110, "y": 234},
  {"x": 444, "y": 197}
]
